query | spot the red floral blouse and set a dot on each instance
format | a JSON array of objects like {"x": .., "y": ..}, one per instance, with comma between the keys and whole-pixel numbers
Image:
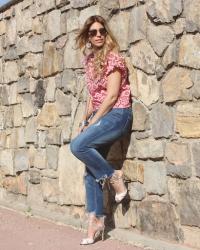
[{"x": 97, "y": 87}]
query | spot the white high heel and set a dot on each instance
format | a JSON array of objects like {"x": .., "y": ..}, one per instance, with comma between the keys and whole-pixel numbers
[
  {"x": 119, "y": 197},
  {"x": 117, "y": 183},
  {"x": 89, "y": 241},
  {"x": 98, "y": 231}
]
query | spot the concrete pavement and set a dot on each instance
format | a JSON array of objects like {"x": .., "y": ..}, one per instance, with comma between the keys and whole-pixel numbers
[{"x": 21, "y": 232}]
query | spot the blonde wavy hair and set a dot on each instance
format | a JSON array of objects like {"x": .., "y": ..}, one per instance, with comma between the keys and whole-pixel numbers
[{"x": 110, "y": 43}]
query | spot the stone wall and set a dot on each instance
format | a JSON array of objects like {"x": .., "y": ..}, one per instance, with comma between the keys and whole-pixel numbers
[{"x": 42, "y": 97}]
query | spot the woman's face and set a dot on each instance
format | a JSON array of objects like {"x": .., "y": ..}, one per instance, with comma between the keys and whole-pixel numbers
[{"x": 97, "y": 35}]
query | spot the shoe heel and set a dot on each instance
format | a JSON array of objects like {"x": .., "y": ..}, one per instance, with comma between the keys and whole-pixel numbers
[
  {"x": 103, "y": 234},
  {"x": 117, "y": 183}
]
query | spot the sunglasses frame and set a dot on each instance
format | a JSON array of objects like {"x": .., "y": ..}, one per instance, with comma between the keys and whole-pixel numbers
[{"x": 93, "y": 32}]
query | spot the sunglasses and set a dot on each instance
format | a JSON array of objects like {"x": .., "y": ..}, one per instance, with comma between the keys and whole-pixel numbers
[{"x": 94, "y": 32}]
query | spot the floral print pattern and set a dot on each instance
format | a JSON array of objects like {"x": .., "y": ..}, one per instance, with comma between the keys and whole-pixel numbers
[{"x": 97, "y": 86}]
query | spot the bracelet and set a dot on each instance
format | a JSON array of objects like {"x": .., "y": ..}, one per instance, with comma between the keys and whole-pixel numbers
[{"x": 83, "y": 124}]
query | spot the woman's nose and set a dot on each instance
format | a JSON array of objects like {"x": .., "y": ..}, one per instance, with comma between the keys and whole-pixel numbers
[{"x": 98, "y": 33}]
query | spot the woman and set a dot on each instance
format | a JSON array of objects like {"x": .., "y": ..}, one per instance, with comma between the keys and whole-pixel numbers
[{"x": 108, "y": 118}]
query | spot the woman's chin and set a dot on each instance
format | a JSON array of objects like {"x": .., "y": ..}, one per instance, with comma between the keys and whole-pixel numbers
[{"x": 98, "y": 46}]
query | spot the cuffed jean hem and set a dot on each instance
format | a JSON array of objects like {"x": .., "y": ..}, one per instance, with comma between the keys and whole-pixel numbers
[
  {"x": 95, "y": 214},
  {"x": 103, "y": 179}
]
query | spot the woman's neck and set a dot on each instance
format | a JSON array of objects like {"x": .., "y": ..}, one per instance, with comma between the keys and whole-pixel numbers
[{"x": 97, "y": 50}]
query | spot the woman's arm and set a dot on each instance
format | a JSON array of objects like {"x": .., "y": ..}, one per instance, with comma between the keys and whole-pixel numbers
[
  {"x": 88, "y": 109},
  {"x": 113, "y": 86}
]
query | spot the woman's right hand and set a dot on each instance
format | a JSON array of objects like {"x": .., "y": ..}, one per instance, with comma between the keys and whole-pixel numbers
[
  {"x": 82, "y": 126},
  {"x": 80, "y": 130}
]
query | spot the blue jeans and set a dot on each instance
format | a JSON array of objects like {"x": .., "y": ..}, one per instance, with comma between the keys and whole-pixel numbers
[{"x": 92, "y": 146}]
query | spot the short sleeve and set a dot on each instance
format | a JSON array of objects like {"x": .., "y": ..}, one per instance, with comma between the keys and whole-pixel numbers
[{"x": 115, "y": 61}]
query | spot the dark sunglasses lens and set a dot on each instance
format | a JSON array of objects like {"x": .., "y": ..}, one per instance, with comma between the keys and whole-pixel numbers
[
  {"x": 93, "y": 33},
  {"x": 103, "y": 31}
]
